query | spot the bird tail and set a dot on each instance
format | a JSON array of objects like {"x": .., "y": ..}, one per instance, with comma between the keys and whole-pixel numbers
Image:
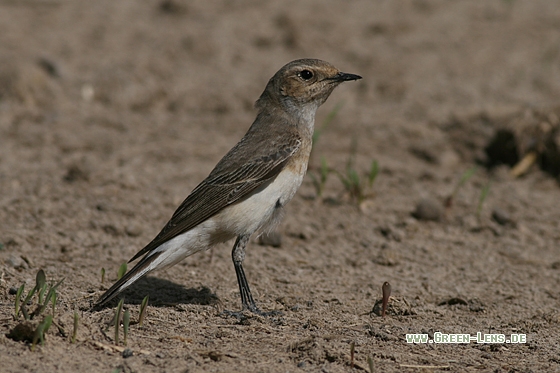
[{"x": 141, "y": 269}]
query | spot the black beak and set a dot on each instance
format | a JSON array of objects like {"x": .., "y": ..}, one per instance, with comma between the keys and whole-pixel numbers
[{"x": 345, "y": 77}]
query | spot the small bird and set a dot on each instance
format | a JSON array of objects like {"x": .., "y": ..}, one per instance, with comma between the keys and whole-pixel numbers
[{"x": 247, "y": 190}]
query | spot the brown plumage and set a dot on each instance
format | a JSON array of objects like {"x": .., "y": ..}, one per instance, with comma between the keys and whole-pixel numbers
[{"x": 247, "y": 189}]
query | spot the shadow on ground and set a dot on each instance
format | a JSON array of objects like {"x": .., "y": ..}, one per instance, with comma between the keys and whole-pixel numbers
[{"x": 164, "y": 293}]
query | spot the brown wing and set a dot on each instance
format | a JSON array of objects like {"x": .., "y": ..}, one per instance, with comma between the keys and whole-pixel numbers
[{"x": 226, "y": 185}]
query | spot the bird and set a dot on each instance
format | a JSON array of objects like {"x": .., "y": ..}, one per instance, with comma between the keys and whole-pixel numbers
[{"x": 247, "y": 190}]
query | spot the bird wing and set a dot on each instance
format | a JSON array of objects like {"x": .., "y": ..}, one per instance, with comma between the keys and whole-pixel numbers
[{"x": 226, "y": 185}]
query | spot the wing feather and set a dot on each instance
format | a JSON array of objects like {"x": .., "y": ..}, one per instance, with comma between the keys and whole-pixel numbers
[{"x": 223, "y": 188}]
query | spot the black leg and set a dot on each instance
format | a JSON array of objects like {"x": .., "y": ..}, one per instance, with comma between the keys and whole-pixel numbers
[
  {"x": 247, "y": 301},
  {"x": 238, "y": 255}
]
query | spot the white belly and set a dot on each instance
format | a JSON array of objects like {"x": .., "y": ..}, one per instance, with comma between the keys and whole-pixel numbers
[{"x": 261, "y": 210}]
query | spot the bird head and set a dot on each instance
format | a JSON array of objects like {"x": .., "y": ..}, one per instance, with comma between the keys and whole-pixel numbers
[{"x": 303, "y": 83}]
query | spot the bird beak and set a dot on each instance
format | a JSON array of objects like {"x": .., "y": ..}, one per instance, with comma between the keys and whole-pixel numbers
[{"x": 344, "y": 77}]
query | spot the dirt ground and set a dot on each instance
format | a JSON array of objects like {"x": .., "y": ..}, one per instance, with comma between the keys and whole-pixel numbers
[{"x": 112, "y": 111}]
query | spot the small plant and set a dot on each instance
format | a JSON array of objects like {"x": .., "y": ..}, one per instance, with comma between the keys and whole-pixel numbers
[
  {"x": 41, "y": 292},
  {"x": 102, "y": 275},
  {"x": 117, "y": 320},
  {"x": 41, "y": 330},
  {"x": 320, "y": 180},
  {"x": 39, "y": 335},
  {"x": 483, "y": 194},
  {"x": 40, "y": 288},
  {"x": 356, "y": 186},
  {"x": 122, "y": 271},
  {"x": 53, "y": 299},
  {"x": 52, "y": 291},
  {"x": 370, "y": 364},
  {"x": 143, "y": 310},
  {"x": 126, "y": 324},
  {"x": 319, "y": 177},
  {"x": 18, "y": 300},
  {"x": 75, "y": 330},
  {"x": 46, "y": 295},
  {"x": 48, "y": 322},
  {"x": 373, "y": 172},
  {"x": 41, "y": 284},
  {"x": 464, "y": 178}
]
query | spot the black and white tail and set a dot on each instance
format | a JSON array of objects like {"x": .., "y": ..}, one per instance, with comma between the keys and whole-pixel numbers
[{"x": 141, "y": 269}]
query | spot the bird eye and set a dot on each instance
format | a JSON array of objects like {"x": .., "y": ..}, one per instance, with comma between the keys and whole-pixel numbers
[{"x": 305, "y": 74}]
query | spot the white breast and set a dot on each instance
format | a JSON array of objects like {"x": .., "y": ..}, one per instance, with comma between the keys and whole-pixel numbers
[{"x": 264, "y": 205}]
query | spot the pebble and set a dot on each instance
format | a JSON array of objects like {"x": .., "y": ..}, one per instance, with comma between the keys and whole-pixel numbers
[
  {"x": 49, "y": 66},
  {"x": 76, "y": 173},
  {"x": 501, "y": 217},
  {"x": 24, "y": 331},
  {"x": 133, "y": 230},
  {"x": 387, "y": 257},
  {"x": 16, "y": 262},
  {"x": 428, "y": 209},
  {"x": 449, "y": 159},
  {"x": 127, "y": 353}
]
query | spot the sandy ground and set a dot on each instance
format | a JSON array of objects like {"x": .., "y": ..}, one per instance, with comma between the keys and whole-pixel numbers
[{"x": 111, "y": 112}]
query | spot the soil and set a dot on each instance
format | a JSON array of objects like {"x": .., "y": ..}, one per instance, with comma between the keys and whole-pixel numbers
[{"x": 112, "y": 111}]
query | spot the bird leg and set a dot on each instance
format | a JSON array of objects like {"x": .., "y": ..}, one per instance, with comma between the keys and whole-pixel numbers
[
  {"x": 238, "y": 255},
  {"x": 248, "y": 303}
]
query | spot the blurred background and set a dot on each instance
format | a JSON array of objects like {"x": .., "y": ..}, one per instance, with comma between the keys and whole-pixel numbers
[{"x": 437, "y": 172}]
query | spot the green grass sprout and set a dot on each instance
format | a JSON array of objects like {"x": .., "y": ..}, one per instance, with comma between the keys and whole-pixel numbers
[
  {"x": 464, "y": 178},
  {"x": 41, "y": 284},
  {"x": 48, "y": 298},
  {"x": 122, "y": 271},
  {"x": 48, "y": 322},
  {"x": 356, "y": 186},
  {"x": 320, "y": 180},
  {"x": 483, "y": 194},
  {"x": 117, "y": 320},
  {"x": 126, "y": 324},
  {"x": 373, "y": 172},
  {"x": 18, "y": 300},
  {"x": 40, "y": 279},
  {"x": 41, "y": 293},
  {"x": 41, "y": 330},
  {"x": 143, "y": 310},
  {"x": 370, "y": 364},
  {"x": 75, "y": 330},
  {"x": 38, "y": 336},
  {"x": 53, "y": 299}
]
